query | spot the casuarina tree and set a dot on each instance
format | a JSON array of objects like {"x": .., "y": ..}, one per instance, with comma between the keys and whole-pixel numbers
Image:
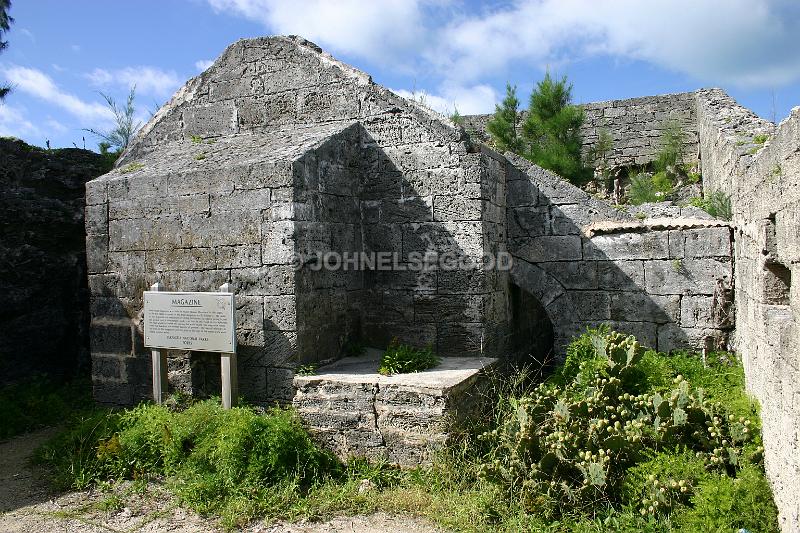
[
  {"x": 503, "y": 125},
  {"x": 551, "y": 132},
  {"x": 5, "y": 25}
]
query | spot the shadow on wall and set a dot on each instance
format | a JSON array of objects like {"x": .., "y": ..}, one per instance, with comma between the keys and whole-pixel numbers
[
  {"x": 352, "y": 195},
  {"x": 670, "y": 288}
]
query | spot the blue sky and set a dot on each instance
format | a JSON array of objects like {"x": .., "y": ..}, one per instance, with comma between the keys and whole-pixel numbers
[{"x": 456, "y": 53}]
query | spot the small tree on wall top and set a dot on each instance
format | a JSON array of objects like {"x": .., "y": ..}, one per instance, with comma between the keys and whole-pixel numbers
[
  {"x": 552, "y": 130},
  {"x": 503, "y": 125},
  {"x": 550, "y": 135}
]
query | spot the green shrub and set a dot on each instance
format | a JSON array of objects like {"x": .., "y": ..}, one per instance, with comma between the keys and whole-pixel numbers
[
  {"x": 662, "y": 184},
  {"x": 676, "y": 473},
  {"x": 552, "y": 130},
  {"x": 716, "y": 204},
  {"x": 402, "y": 359},
  {"x": 693, "y": 177},
  {"x": 233, "y": 463},
  {"x": 645, "y": 188},
  {"x": 85, "y": 452},
  {"x": 579, "y": 351},
  {"x": 503, "y": 125},
  {"x": 672, "y": 150},
  {"x": 529, "y": 472},
  {"x": 724, "y": 504},
  {"x": 569, "y": 444}
]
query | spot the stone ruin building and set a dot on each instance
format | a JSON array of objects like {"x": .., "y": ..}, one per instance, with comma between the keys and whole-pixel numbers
[{"x": 279, "y": 149}]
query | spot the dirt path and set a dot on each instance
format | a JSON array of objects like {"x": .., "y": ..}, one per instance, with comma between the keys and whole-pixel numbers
[{"x": 27, "y": 504}]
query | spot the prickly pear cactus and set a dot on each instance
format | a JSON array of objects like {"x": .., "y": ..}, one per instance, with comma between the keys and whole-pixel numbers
[{"x": 575, "y": 442}]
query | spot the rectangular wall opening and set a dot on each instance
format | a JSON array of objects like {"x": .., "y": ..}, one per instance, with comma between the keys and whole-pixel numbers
[{"x": 777, "y": 283}]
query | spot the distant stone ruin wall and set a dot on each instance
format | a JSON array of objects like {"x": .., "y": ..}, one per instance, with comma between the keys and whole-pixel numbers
[
  {"x": 763, "y": 181},
  {"x": 45, "y": 313},
  {"x": 668, "y": 283},
  {"x": 636, "y": 126}
]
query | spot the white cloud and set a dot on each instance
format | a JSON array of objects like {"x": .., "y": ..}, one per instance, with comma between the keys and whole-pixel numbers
[
  {"x": 376, "y": 30},
  {"x": 27, "y": 33},
  {"x": 471, "y": 100},
  {"x": 54, "y": 125},
  {"x": 203, "y": 64},
  {"x": 40, "y": 85},
  {"x": 13, "y": 123},
  {"x": 745, "y": 42},
  {"x": 148, "y": 80}
]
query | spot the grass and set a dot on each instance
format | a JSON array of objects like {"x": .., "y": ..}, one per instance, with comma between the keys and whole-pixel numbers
[
  {"x": 402, "y": 359},
  {"x": 39, "y": 402},
  {"x": 132, "y": 167},
  {"x": 716, "y": 204},
  {"x": 646, "y": 188},
  {"x": 246, "y": 463}
]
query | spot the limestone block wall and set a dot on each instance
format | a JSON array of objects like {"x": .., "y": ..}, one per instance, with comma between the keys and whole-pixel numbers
[
  {"x": 636, "y": 126},
  {"x": 666, "y": 281},
  {"x": 405, "y": 419},
  {"x": 194, "y": 223},
  {"x": 418, "y": 200},
  {"x": 45, "y": 314},
  {"x": 727, "y": 136},
  {"x": 763, "y": 181},
  {"x": 228, "y": 184}
]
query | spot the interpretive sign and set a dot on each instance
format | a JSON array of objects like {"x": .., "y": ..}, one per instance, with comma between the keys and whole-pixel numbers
[{"x": 198, "y": 321}]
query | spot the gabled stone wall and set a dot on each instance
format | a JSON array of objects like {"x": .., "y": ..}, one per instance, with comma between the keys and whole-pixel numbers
[{"x": 228, "y": 184}]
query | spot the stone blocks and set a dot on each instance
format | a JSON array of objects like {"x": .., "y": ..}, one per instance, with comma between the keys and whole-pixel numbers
[{"x": 403, "y": 419}]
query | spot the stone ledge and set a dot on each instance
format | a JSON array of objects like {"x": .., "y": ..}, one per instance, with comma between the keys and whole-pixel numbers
[
  {"x": 356, "y": 412},
  {"x": 650, "y": 224}
]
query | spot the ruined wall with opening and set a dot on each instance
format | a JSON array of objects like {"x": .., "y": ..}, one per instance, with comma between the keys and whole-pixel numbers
[
  {"x": 279, "y": 149},
  {"x": 758, "y": 165},
  {"x": 667, "y": 281}
]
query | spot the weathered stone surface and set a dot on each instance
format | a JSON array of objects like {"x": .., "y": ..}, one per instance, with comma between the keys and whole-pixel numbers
[
  {"x": 45, "y": 315},
  {"x": 762, "y": 181},
  {"x": 627, "y": 246},
  {"x": 403, "y": 418},
  {"x": 339, "y": 164}
]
